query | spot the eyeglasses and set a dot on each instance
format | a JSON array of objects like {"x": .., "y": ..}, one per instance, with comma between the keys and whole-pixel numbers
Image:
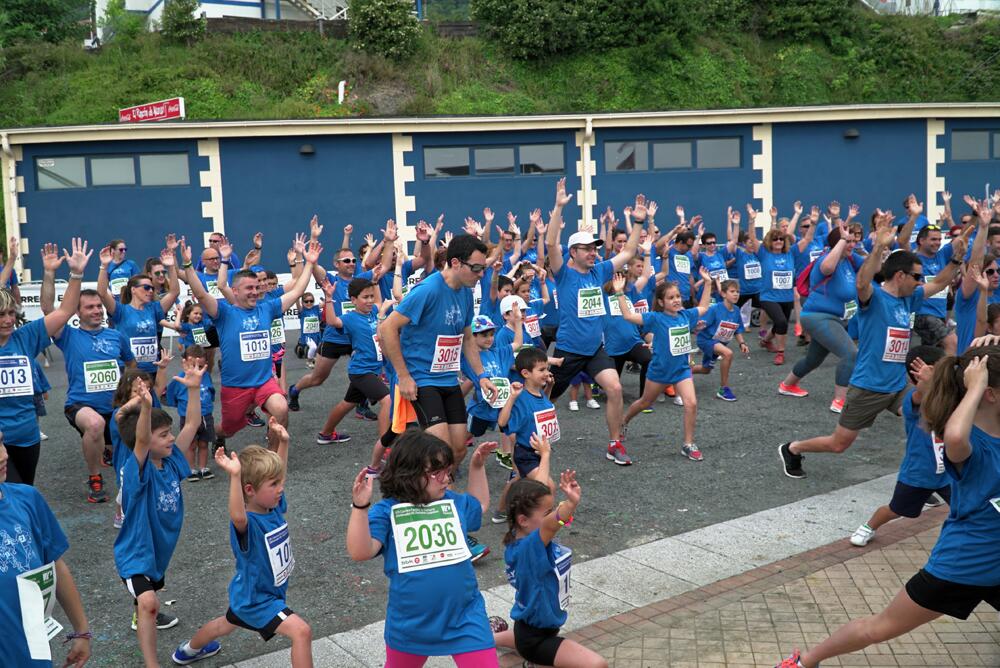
[
  {"x": 475, "y": 268},
  {"x": 215, "y": 241},
  {"x": 159, "y": 273},
  {"x": 304, "y": 301},
  {"x": 441, "y": 475},
  {"x": 348, "y": 260},
  {"x": 918, "y": 277},
  {"x": 211, "y": 258},
  {"x": 122, "y": 249},
  {"x": 586, "y": 248},
  {"x": 990, "y": 272},
  {"x": 145, "y": 286}
]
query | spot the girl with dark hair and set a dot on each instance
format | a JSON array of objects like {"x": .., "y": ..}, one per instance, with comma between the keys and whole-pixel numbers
[{"x": 419, "y": 528}]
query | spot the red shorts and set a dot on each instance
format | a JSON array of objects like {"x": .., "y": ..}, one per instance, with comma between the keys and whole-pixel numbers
[{"x": 236, "y": 401}]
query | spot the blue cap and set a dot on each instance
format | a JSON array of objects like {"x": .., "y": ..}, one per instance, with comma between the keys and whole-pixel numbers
[{"x": 482, "y": 323}]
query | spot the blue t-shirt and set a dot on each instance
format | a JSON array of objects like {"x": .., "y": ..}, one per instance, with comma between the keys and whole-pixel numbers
[
  {"x": 581, "y": 314},
  {"x": 116, "y": 272},
  {"x": 39, "y": 378},
  {"x": 620, "y": 336},
  {"x": 920, "y": 466},
  {"x": 778, "y": 270},
  {"x": 965, "y": 318},
  {"x": 342, "y": 304},
  {"x": 194, "y": 334},
  {"x": 748, "y": 272},
  {"x": 361, "y": 331},
  {"x": 537, "y": 572},
  {"x": 385, "y": 283},
  {"x": 837, "y": 294},
  {"x": 671, "y": 344},
  {"x": 264, "y": 562},
  {"x": 966, "y": 550},
  {"x": 17, "y": 408},
  {"x": 920, "y": 224},
  {"x": 810, "y": 254},
  {"x": 245, "y": 342},
  {"x": 154, "y": 512},
  {"x": 94, "y": 359},
  {"x": 498, "y": 362},
  {"x": 715, "y": 264},
  {"x": 937, "y": 304},
  {"x": 456, "y": 622},
  {"x": 177, "y": 395},
  {"x": 551, "y": 309},
  {"x": 884, "y": 325},
  {"x": 532, "y": 414},
  {"x": 721, "y": 325},
  {"x": 310, "y": 319},
  {"x": 681, "y": 266},
  {"x": 432, "y": 340},
  {"x": 31, "y": 537},
  {"x": 138, "y": 326}
]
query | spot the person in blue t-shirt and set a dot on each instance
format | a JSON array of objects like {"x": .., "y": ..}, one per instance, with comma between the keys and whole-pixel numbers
[
  {"x": 931, "y": 323},
  {"x": 434, "y": 606},
  {"x": 259, "y": 537},
  {"x": 119, "y": 269},
  {"x": 152, "y": 502},
  {"x": 963, "y": 569},
  {"x": 921, "y": 473},
  {"x": 529, "y": 413},
  {"x": 176, "y": 396},
  {"x": 538, "y": 568},
  {"x": 722, "y": 324},
  {"x": 885, "y": 316},
  {"x": 981, "y": 267},
  {"x": 310, "y": 324}
]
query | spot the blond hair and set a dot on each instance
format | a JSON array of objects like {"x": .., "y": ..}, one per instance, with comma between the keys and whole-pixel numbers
[
  {"x": 7, "y": 301},
  {"x": 258, "y": 465}
]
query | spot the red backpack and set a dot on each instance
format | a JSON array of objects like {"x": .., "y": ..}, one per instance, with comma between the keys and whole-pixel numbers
[{"x": 802, "y": 280}]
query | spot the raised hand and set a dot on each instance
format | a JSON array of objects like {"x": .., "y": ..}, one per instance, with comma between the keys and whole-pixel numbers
[
  {"x": 370, "y": 240},
  {"x": 185, "y": 252},
  {"x": 104, "y": 255},
  {"x": 361, "y": 490},
  {"x": 618, "y": 282},
  {"x": 562, "y": 199},
  {"x": 488, "y": 215},
  {"x": 313, "y": 252},
  {"x": 258, "y": 240},
  {"x": 299, "y": 244},
  {"x": 913, "y": 207},
  {"x": 229, "y": 463},
  {"x": 448, "y": 236},
  {"x": 328, "y": 290},
  {"x": 348, "y": 229},
  {"x": 680, "y": 212},
  {"x": 276, "y": 428},
  {"x": 483, "y": 451},
  {"x": 251, "y": 258},
  {"x": 946, "y": 197},
  {"x": 814, "y": 214},
  {"x": 773, "y": 211},
  {"x": 833, "y": 209},
  {"x": 423, "y": 231},
  {"x": 390, "y": 233},
  {"x": 51, "y": 259},
  {"x": 78, "y": 259},
  {"x": 165, "y": 359},
  {"x": 171, "y": 242},
  {"x": 226, "y": 250},
  {"x": 976, "y": 373},
  {"x": 540, "y": 444},
  {"x": 315, "y": 229},
  {"x": 291, "y": 256},
  {"x": 639, "y": 211},
  {"x": 852, "y": 211},
  {"x": 652, "y": 208},
  {"x": 168, "y": 258},
  {"x": 569, "y": 486},
  {"x": 797, "y": 207},
  {"x": 194, "y": 369},
  {"x": 751, "y": 212},
  {"x": 515, "y": 389}
]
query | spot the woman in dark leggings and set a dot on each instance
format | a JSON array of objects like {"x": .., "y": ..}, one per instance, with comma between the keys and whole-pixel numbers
[{"x": 623, "y": 340}]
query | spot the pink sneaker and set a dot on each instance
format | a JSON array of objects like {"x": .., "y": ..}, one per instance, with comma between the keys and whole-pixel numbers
[{"x": 792, "y": 390}]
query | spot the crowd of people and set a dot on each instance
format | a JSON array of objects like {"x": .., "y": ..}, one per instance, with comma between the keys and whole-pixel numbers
[{"x": 464, "y": 346}]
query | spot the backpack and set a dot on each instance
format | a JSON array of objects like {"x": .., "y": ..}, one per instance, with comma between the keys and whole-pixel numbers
[{"x": 802, "y": 280}]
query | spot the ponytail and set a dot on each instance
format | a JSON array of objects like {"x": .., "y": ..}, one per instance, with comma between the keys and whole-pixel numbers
[
  {"x": 948, "y": 385},
  {"x": 523, "y": 497}
]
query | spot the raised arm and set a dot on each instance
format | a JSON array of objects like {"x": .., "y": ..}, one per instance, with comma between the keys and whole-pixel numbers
[
  {"x": 347, "y": 236},
  {"x": 360, "y": 544},
  {"x": 945, "y": 277},
  {"x": 478, "y": 486},
  {"x": 389, "y": 242},
  {"x": 564, "y": 512},
  {"x": 884, "y": 236},
  {"x": 332, "y": 319},
  {"x": 959, "y": 426},
  {"x": 198, "y": 291},
  {"x": 618, "y": 285},
  {"x": 237, "y": 509},
  {"x": 555, "y": 227},
  {"x": 8, "y": 265},
  {"x": 143, "y": 430},
  {"x": 103, "y": 282},
  {"x": 732, "y": 230},
  {"x": 194, "y": 369},
  {"x": 832, "y": 259},
  {"x": 302, "y": 282},
  {"x": 639, "y": 214},
  {"x": 810, "y": 234},
  {"x": 168, "y": 257},
  {"x": 913, "y": 211},
  {"x": 978, "y": 249},
  {"x": 77, "y": 263},
  {"x": 51, "y": 260}
]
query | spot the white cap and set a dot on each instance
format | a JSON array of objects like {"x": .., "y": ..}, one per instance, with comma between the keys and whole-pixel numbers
[
  {"x": 507, "y": 303},
  {"x": 584, "y": 239}
]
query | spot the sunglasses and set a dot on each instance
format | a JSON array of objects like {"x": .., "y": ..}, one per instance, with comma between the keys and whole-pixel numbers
[
  {"x": 475, "y": 268},
  {"x": 713, "y": 242},
  {"x": 215, "y": 241},
  {"x": 122, "y": 249},
  {"x": 145, "y": 286},
  {"x": 919, "y": 278},
  {"x": 990, "y": 272},
  {"x": 159, "y": 273},
  {"x": 307, "y": 301},
  {"x": 348, "y": 260}
]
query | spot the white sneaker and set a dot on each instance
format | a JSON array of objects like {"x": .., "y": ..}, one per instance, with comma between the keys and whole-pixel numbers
[
  {"x": 678, "y": 401},
  {"x": 573, "y": 406},
  {"x": 592, "y": 403},
  {"x": 862, "y": 535},
  {"x": 661, "y": 399},
  {"x": 43, "y": 436}
]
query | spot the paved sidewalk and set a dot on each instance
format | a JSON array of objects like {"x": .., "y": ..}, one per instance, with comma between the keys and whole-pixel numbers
[{"x": 755, "y": 618}]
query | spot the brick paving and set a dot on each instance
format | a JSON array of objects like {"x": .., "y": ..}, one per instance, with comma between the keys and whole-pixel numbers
[{"x": 755, "y": 618}]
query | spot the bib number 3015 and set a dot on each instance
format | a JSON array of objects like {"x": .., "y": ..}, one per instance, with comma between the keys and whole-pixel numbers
[{"x": 447, "y": 353}]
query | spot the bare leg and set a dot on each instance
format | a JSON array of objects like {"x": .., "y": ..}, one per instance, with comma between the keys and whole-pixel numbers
[
  {"x": 297, "y": 630},
  {"x": 653, "y": 389},
  {"x": 609, "y": 380},
  {"x": 457, "y": 437},
  {"x": 725, "y": 362},
  {"x": 277, "y": 406},
  {"x": 217, "y": 628},
  {"x": 572, "y": 654},
  {"x": 318, "y": 375},
  {"x": 148, "y": 605},
  {"x": 91, "y": 424},
  {"x": 837, "y": 442},
  {"x": 685, "y": 390},
  {"x": 881, "y": 516},
  {"x": 337, "y": 413}
]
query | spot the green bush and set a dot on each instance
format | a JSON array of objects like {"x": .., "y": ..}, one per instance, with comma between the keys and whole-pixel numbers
[
  {"x": 121, "y": 24},
  {"x": 42, "y": 20},
  {"x": 179, "y": 23},
  {"x": 530, "y": 29},
  {"x": 807, "y": 19},
  {"x": 383, "y": 27}
]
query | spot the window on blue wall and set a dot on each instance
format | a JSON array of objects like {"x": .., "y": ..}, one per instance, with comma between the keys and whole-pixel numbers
[
  {"x": 450, "y": 161},
  {"x": 970, "y": 145},
  {"x": 542, "y": 158},
  {"x": 494, "y": 161},
  {"x": 996, "y": 145},
  {"x": 112, "y": 171},
  {"x": 672, "y": 155},
  {"x": 61, "y": 173},
  {"x": 164, "y": 169},
  {"x": 626, "y": 156},
  {"x": 718, "y": 153}
]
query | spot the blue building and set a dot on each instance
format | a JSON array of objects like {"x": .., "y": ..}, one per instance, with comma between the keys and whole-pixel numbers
[{"x": 140, "y": 182}]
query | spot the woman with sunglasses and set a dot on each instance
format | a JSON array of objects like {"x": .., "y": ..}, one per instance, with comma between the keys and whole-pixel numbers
[
  {"x": 119, "y": 268},
  {"x": 969, "y": 289},
  {"x": 138, "y": 313}
]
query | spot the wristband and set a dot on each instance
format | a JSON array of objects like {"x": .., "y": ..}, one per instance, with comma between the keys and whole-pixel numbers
[
  {"x": 104, "y": 267},
  {"x": 186, "y": 265},
  {"x": 258, "y": 247},
  {"x": 223, "y": 261},
  {"x": 292, "y": 266},
  {"x": 78, "y": 277},
  {"x": 483, "y": 375},
  {"x": 619, "y": 294},
  {"x": 357, "y": 507},
  {"x": 955, "y": 262},
  {"x": 561, "y": 521},
  {"x": 86, "y": 635}
]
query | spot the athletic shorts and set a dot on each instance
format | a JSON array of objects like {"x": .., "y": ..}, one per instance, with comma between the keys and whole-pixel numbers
[
  {"x": 72, "y": 409},
  {"x": 365, "y": 386},
  {"x": 949, "y": 598},
  {"x": 573, "y": 364},
  {"x": 535, "y": 644},
  {"x": 236, "y": 401},
  {"x": 333, "y": 351},
  {"x": 931, "y": 329},
  {"x": 908, "y": 501},
  {"x": 206, "y": 430},
  {"x": 139, "y": 584},
  {"x": 477, "y": 426},
  {"x": 439, "y": 405},
  {"x": 862, "y": 407},
  {"x": 526, "y": 460},
  {"x": 268, "y": 630},
  {"x": 708, "y": 355},
  {"x": 212, "y": 336}
]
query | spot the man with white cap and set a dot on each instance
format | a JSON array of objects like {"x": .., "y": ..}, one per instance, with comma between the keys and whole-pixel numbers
[{"x": 581, "y": 312}]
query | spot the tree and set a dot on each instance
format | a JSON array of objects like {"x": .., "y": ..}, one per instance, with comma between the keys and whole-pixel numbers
[
  {"x": 48, "y": 20},
  {"x": 180, "y": 24},
  {"x": 119, "y": 23},
  {"x": 383, "y": 27}
]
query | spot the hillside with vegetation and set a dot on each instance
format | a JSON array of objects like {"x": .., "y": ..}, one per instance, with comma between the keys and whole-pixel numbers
[{"x": 530, "y": 57}]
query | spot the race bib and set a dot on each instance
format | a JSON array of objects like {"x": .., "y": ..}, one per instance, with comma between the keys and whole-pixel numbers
[
  {"x": 641, "y": 306},
  {"x": 310, "y": 324},
  {"x": 447, "y": 353},
  {"x": 555, "y": 297},
  {"x": 534, "y": 328},
  {"x": 781, "y": 280},
  {"x": 814, "y": 254},
  {"x": 144, "y": 348},
  {"x": 937, "y": 446},
  {"x": 680, "y": 340},
  {"x": 255, "y": 346},
  {"x": 347, "y": 307},
  {"x": 378, "y": 347},
  {"x": 564, "y": 561},
  {"x": 547, "y": 424},
  {"x": 943, "y": 294},
  {"x": 850, "y": 309},
  {"x": 36, "y": 593},
  {"x": 212, "y": 287},
  {"x": 100, "y": 376},
  {"x": 427, "y": 536},
  {"x": 279, "y": 553},
  {"x": 720, "y": 274},
  {"x": 751, "y": 271},
  {"x": 682, "y": 264},
  {"x": 589, "y": 303},
  {"x": 117, "y": 284},
  {"x": 897, "y": 345},
  {"x": 199, "y": 337},
  {"x": 15, "y": 377},
  {"x": 477, "y": 297},
  {"x": 503, "y": 392},
  {"x": 614, "y": 309},
  {"x": 726, "y": 331},
  {"x": 277, "y": 331}
]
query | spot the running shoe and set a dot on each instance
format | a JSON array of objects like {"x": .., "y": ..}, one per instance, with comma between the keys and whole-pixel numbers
[
  {"x": 862, "y": 535},
  {"x": 97, "y": 493},
  {"x": 779, "y": 358},
  {"x": 678, "y": 401},
  {"x": 725, "y": 394},
  {"x": 43, "y": 436},
  {"x": 691, "y": 451},
  {"x": 504, "y": 459},
  {"x": 792, "y": 390},
  {"x": 499, "y": 517},
  {"x": 163, "y": 621},
  {"x": 220, "y": 442},
  {"x": 254, "y": 420},
  {"x": 195, "y": 476},
  {"x": 650, "y": 409},
  {"x": 670, "y": 391},
  {"x": 798, "y": 329},
  {"x": 791, "y": 463},
  {"x": 837, "y": 406},
  {"x": 206, "y": 474},
  {"x": 574, "y": 406},
  {"x": 119, "y": 518},
  {"x": 182, "y": 658},
  {"x": 106, "y": 457},
  {"x": 477, "y": 549},
  {"x": 365, "y": 413},
  {"x": 293, "y": 398},
  {"x": 616, "y": 453},
  {"x": 592, "y": 403},
  {"x": 794, "y": 661},
  {"x": 498, "y": 624},
  {"x": 326, "y": 439},
  {"x": 933, "y": 501}
]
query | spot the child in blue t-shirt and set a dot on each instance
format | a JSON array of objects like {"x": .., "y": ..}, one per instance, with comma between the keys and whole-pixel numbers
[
  {"x": 722, "y": 323},
  {"x": 310, "y": 324},
  {"x": 258, "y": 534},
  {"x": 153, "y": 503},
  {"x": 528, "y": 412},
  {"x": 41, "y": 386},
  {"x": 539, "y": 570},
  {"x": 176, "y": 396}
]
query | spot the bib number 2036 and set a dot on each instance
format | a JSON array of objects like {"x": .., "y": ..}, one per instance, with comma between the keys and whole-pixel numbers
[{"x": 427, "y": 536}]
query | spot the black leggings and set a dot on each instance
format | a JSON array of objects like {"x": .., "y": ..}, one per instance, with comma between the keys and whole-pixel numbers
[
  {"x": 778, "y": 312},
  {"x": 754, "y": 299},
  {"x": 639, "y": 354},
  {"x": 22, "y": 462}
]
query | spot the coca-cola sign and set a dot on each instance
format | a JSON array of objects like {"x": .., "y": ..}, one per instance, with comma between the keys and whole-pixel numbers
[{"x": 163, "y": 110}]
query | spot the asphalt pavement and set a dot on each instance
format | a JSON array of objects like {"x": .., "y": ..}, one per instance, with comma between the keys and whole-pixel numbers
[{"x": 661, "y": 495}]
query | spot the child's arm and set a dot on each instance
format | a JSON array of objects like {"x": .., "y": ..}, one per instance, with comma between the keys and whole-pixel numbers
[
  {"x": 169, "y": 325},
  {"x": 162, "y": 376},
  {"x": 360, "y": 544},
  {"x": 331, "y": 313},
  {"x": 516, "y": 320},
  {"x": 281, "y": 436},
  {"x": 541, "y": 445},
  {"x": 69, "y": 598},
  {"x": 564, "y": 512},
  {"x": 193, "y": 371},
  {"x": 706, "y": 294},
  {"x": 618, "y": 285},
  {"x": 959, "y": 425},
  {"x": 478, "y": 486},
  {"x": 504, "y": 417},
  {"x": 497, "y": 268},
  {"x": 543, "y": 285},
  {"x": 143, "y": 430},
  {"x": 231, "y": 465}
]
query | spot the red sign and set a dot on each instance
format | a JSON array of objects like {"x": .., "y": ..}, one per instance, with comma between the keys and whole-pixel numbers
[{"x": 163, "y": 110}]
